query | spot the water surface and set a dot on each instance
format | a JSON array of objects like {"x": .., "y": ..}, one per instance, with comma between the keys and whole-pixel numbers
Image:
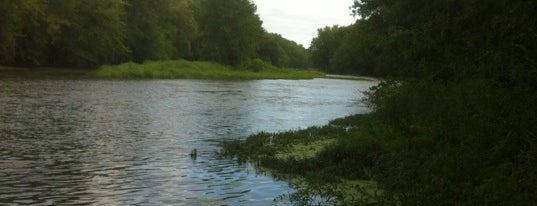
[{"x": 110, "y": 142}]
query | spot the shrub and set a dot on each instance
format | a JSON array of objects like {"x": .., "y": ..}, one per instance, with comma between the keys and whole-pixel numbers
[{"x": 256, "y": 65}]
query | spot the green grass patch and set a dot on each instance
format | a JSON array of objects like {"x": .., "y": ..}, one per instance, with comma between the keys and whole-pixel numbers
[
  {"x": 304, "y": 150},
  {"x": 182, "y": 69}
]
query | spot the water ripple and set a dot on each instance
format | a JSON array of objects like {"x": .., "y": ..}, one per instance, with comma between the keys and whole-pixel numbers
[{"x": 92, "y": 142}]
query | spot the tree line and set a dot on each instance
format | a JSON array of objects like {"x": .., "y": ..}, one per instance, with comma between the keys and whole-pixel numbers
[
  {"x": 90, "y": 33},
  {"x": 455, "y": 121},
  {"x": 391, "y": 36}
]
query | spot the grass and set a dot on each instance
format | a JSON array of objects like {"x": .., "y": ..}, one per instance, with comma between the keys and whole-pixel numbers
[
  {"x": 331, "y": 161},
  {"x": 182, "y": 69}
]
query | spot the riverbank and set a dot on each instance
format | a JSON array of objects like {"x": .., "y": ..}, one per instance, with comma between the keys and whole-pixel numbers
[
  {"x": 5, "y": 68},
  {"x": 7, "y": 72},
  {"x": 330, "y": 162},
  {"x": 182, "y": 69},
  {"x": 351, "y": 77}
]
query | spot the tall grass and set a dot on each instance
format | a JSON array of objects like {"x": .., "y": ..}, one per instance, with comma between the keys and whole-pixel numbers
[{"x": 182, "y": 69}]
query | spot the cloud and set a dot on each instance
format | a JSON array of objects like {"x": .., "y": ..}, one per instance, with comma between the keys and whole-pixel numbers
[{"x": 298, "y": 20}]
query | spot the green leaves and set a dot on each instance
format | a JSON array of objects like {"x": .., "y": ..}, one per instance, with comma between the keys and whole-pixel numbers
[
  {"x": 94, "y": 36},
  {"x": 281, "y": 52},
  {"x": 65, "y": 33},
  {"x": 159, "y": 30},
  {"x": 325, "y": 45},
  {"x": 92, "y": 33},
  {"x": 229, "y": 30},
  {"x": 9, "y": 14}
]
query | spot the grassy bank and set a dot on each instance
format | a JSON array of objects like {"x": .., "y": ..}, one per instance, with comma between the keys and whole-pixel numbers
[
  {"x": 7, "y": 72},
  {"x": 331, "y": 161},
  {"x": 182, "y": 69}
]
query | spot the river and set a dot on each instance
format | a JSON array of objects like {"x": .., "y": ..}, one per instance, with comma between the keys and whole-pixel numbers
[{"x": 79, "y": 141}]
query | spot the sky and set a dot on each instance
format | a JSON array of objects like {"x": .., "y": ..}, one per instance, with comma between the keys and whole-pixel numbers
[{"x": 298, "y": 20}]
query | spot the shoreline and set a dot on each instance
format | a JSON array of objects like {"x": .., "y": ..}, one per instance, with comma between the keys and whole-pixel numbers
[
  {"x": 351, "y": 77},
  {"x": 144, "y": 73},
  {"x": 312, "y": 161}
]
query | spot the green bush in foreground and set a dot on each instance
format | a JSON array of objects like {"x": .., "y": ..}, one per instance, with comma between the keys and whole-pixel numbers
[
  {"x": 182, "y": 69},
  {"x": 474, "y": 145}
]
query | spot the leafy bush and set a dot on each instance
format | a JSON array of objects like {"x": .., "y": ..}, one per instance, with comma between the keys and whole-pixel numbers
[
  {"x": 464, "y": 143},
  {"x": 256, "y": 65}
]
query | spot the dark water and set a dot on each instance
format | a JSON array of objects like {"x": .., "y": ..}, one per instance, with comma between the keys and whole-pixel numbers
[{"x": 104, "y": 142}]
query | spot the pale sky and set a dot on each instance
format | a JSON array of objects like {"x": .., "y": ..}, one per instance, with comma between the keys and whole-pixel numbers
[{"x": 298, "y": 20}]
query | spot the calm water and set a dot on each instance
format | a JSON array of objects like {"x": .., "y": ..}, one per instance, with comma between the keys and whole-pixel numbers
[{"x": 104, "y": 142}]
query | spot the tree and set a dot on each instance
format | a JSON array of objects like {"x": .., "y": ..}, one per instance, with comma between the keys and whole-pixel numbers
[
  {"x": 359, "y": 50},
  {"x": 185, "y": 28},
  {"x": 297, "y": 54},
  {"x": 160, "y": 29},
  {"x": 229, "y": 30},
  {"x": 282, "y": 52},
  {"x": 91, "y": 33},
  {"x": 325, "y": 45},
  {"x": 148, "y": 29},
  {"x": 94, "y": 33},
  {"x": 67, "y": 33},
  {"x": 38, "y": 25},
  {"x": 9, "y": 29},
  {"x": 459, "y": 118},
  {"x": 271, "y": 51}
]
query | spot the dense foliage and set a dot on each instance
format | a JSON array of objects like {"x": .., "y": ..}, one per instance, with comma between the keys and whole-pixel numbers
[
  {"x": 456, "y": 120},
  {"x": 92, "y": 33},
  {"x": 229, "y": 30}
]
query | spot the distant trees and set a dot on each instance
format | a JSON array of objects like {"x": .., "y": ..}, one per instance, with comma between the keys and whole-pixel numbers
[
  {"x": 37, "y": 25},
  {"x": 160, "y": 29},
  {"x": 9, "y": 21},
  {"x": 442, "y": 35},
  {"x": 85, "y": 33},
  {"x": 184, "y": 30},
  {"x": 324, "y": 46},
  {"x": 92, "y": 33},
  {"x": 62, "y": 33},
  {"x": 281, "y": 52},
  {"x": 229, "y": 30}
]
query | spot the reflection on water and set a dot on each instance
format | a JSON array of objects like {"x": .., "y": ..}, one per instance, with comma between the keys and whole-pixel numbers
[{"x": 128, "y": 142}]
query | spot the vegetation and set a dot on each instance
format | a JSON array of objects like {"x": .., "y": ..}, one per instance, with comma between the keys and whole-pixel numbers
[
  {"x": 457, "y": 120},
  {"x": 230, "y": 35},
  {"x": 255, "y": 69},
  {"x": 281, "y": 52},
  {"x": 58, "y": 33},
  {"x": 333, "y": 160},
  {"x": 454, "y": 122}
]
